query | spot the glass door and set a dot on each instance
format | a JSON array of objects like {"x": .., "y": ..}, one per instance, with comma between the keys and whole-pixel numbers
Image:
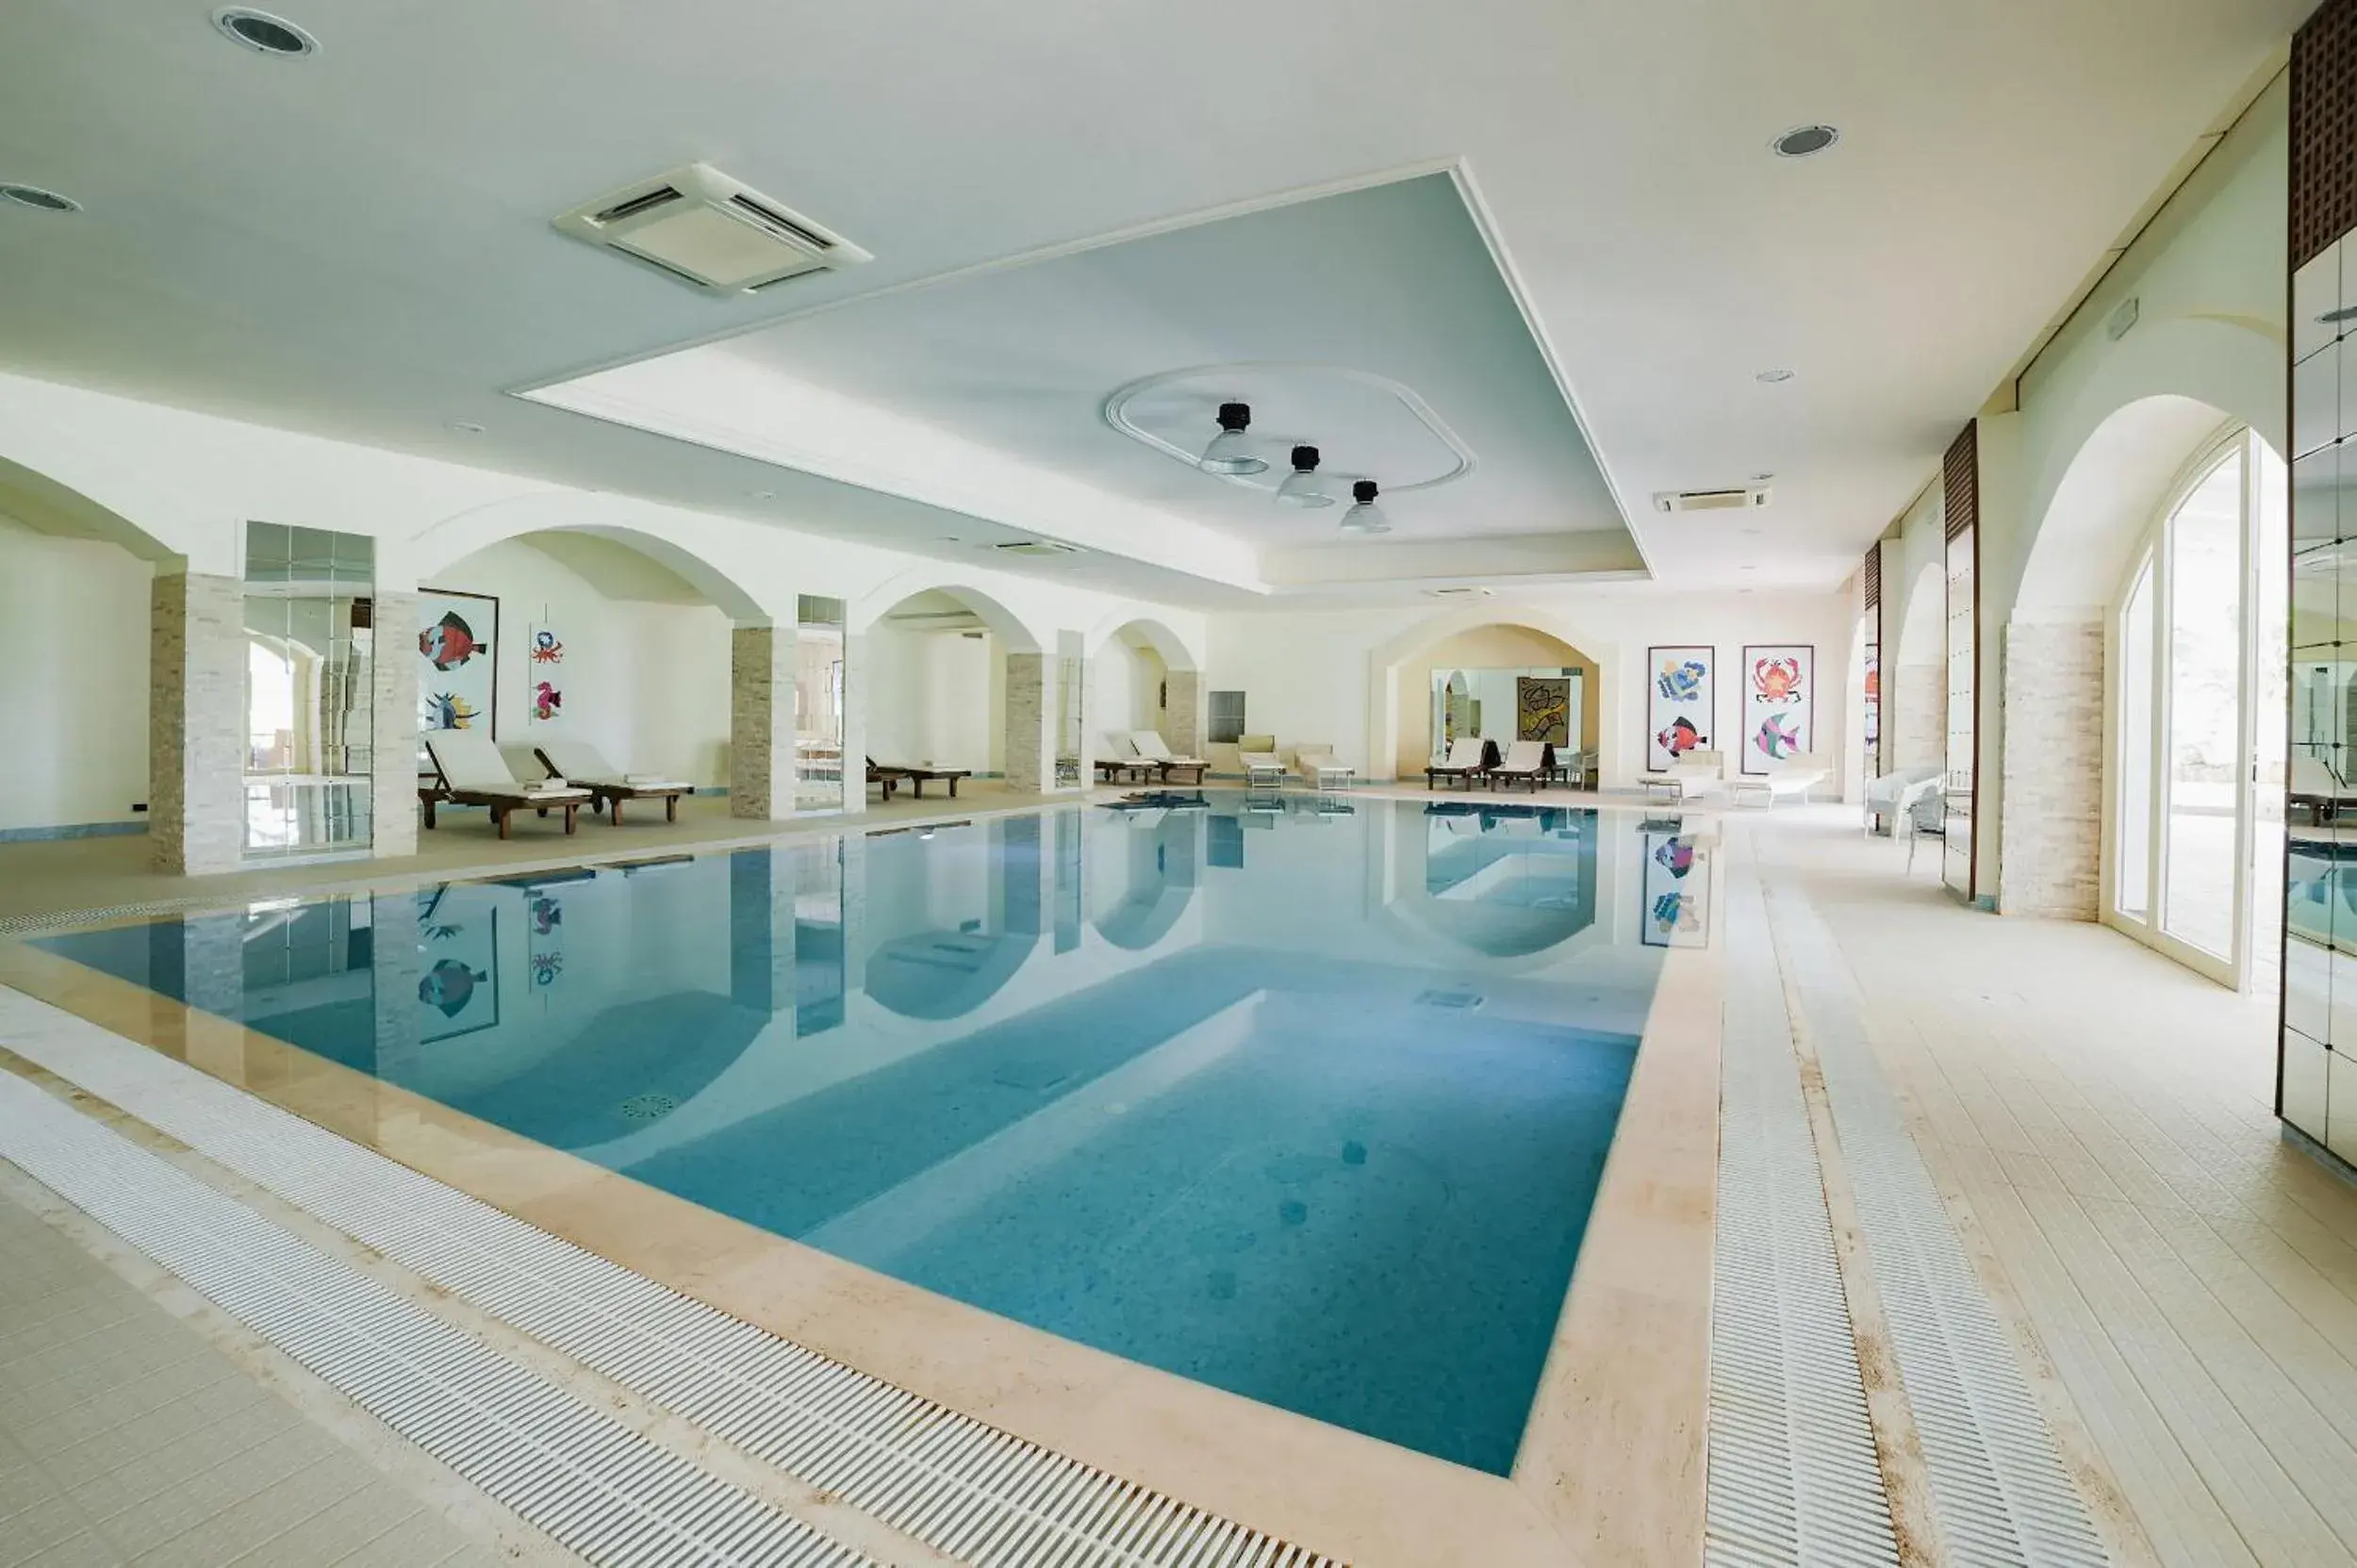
[{"x": 2187, "y": 748}]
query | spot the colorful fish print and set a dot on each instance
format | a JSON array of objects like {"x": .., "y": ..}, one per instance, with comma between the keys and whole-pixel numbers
[
  {"x": 1776, "y": 680},
  {"x": 546, "y": 700},
  {"x": 545, "y": 649},
  {"x": 1679, "y": 739},
  {"x": 1669, "y": 913},
  {"x": 1676, "y": 856},
  {"x": 1681, "y": 683},
  {"x": 447, "y": 711},
  {"x": 450, "y": 642},
  {"x": 1778, "y": 739},
  {"x": 448, "y": 986}
]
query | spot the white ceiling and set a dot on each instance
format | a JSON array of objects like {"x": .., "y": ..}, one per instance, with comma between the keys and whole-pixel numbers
[
  {"x": 1393, "y": 282},
  {"x": 358, "y": 245}
]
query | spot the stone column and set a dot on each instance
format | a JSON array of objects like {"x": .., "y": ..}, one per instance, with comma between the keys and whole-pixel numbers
[
  {"x": 854, "y": 723},
  {"x": 1030, "y": 728},
  {"x": 393, "y": 728},
  {"x": 1182, "y": 711},
  {"x": 760, "y": 722},
  {"x": 196, "y": 723},
  {"x": 2049, "y": 859}
]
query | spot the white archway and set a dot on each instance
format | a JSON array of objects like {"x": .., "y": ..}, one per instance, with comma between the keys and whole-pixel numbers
[
  {"x": 1386, "y": 662},
  {"x": 709, "y": 565},
  {"x": 1014, "y": 633},
  {"x": 1173, "y": 650}
]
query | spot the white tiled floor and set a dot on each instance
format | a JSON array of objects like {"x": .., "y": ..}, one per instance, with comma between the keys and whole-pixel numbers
[
  {"x": 126, "y": 1439},
  {"x": 2099, "y": 1118}
]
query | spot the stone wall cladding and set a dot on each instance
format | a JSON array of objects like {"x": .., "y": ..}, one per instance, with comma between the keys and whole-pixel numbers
[
  {"x": 761, "y": 738},
  {"x": 1183, "y": 713},
  {"x": 1028, "y": 767},
  {"x": 2050, "y": 859},
  {"x": 196, "y": 723},
  {"x": 393, "y": 728}
]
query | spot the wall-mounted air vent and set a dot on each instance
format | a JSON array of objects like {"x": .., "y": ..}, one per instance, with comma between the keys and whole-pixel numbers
[
  {"x": 1036, "y": 547},
  {"x": 1741, "y": 500},
  {"x": 1458, "y": 593},
  {"x": 704, "y": 228}
]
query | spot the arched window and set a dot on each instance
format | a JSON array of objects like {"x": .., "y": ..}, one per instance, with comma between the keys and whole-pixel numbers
[{"x": 2196, "y": 723}]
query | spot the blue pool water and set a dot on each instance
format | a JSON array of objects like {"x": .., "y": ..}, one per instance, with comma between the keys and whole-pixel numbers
[{"x": 1306, "y": 1101}]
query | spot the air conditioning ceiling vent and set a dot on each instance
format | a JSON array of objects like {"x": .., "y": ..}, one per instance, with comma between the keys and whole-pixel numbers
[
  {"x": 1743, "y": 499},
  {"x": 717, "y": 234},
  {"x": 1037, "y": 546}
]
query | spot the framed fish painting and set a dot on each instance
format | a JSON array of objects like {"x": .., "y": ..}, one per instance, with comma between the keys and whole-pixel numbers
[
  {"x": 457, "y": 661},
  {"x": 1680, "y": 697},
  {"x": 1779, "y": 704}
]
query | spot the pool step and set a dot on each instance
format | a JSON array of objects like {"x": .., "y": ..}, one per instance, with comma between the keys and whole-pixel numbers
[{"x": 967, "y": 1489}]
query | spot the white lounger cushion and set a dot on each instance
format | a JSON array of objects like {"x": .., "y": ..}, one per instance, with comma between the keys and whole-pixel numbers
[
  {"x": 470, "y": 762},
  {"x": 1152, "y": 746},
  {"x": 1464, "y": 754},
  {"x": 1119, "y": 745},
  {"x": 582, "y": 763},
  {"x": 1524, "y": 756},
  {"x": 1260, "y": 761}
]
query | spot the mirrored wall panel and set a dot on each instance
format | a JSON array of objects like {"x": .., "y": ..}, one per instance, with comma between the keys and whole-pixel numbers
[{"x": 308, "y": 690}]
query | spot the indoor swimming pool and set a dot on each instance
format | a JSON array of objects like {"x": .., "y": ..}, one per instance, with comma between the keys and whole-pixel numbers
[{"x": 1304, "y": 1098}]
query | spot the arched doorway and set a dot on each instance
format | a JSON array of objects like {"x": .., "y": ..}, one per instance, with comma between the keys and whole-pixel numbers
[
  {"x": 1141, "y": 676},
  {"x": 2144, "y": 674},
  {"x": 599, "y": 641},
  {"x": 1501, "y": 681},
  {"x": 949, "y": 680}
]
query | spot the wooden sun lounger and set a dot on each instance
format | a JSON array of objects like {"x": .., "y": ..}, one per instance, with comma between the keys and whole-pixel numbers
[
  {"x": 483, "y": 762},
  {"x": 608, "y": 789}
]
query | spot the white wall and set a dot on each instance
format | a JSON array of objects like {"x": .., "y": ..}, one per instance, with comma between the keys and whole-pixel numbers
[
  {"x": 74, "y": 614},
  {"x": 930, "y": 700},
  {"x": 646, "y": 682},
  {"x": 1127, "y": 687},
  {"x": 1306, "y": 674}
]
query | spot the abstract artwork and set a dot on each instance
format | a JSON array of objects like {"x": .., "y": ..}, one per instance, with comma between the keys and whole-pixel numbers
[
  {"x": 1673, "y": 916},
  {"x": 457, "y": 669},
  {"x": 1542, "y": 708},
  {"x": 1680, "y": 693},
  {"x": 1779, "y": 704}
]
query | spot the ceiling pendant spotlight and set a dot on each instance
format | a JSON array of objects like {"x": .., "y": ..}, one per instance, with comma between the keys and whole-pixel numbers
[
  {"x": 1364, "y": 516},
  {"x": 1300, "y": 487},
  {"x": 1229, "y": 453}
]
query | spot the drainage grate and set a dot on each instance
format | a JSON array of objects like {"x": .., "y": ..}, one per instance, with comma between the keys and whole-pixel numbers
[
  {"x": 1998, "y": 1488},
  {"x": 968, "y": 1489},
  {"x": 1794, "y": 1476},
  {"x": 589, "y": 1483},
  {"x": 647, "y": 1108}
]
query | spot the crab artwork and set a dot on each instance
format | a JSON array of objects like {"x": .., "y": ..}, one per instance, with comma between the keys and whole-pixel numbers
[{"x": 1776, "y": 680}]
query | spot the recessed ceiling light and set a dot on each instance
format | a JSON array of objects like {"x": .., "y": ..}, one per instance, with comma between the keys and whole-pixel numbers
[
  {"x": 1761, "y": 478},
  {"x": 763, "y": 495},
  {"x": 1771, "y": 377},
  {"x": 951, "y": 538},
  {"x": 1805, "y": 140},
  {"x": 39, "y": 199},
  {"x": 1753, "y": 532},
  {"x": 263, "y": 33},
  {"x": 1749, "y": 569},
  {"x": 466, "y": 428}
]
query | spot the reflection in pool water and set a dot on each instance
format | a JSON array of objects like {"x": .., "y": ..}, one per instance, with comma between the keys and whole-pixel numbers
[{"x": 1304, "y": 1104}]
